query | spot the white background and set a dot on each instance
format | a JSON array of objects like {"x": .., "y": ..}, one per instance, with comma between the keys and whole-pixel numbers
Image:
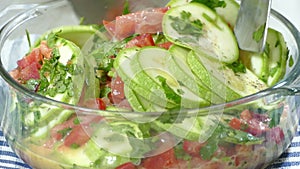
[{"x": 290, "y": 9}]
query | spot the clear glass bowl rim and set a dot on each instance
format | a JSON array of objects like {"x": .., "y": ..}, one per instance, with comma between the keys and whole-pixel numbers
[{"x": 289, "y": 85}]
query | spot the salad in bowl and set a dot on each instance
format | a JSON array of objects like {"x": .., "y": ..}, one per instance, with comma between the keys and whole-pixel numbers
[{"x": 155, "y": 87}]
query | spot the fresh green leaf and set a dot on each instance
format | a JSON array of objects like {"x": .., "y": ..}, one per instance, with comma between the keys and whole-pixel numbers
[
  {"x": 126, "y": 8},
  {"x": 273, "y": 70},
  {"x": 259, "y": 34},
  {"x": 209, "y": 149},
  {"x": 275, "y": 115},
  {"x": 169, "y": 92},
  {"x": 76, "y": 121},
  {"x": 237, "y": 67},
  {"x": 104, "y": 92},
  {"x": 184, "y": 25},
  {"x": 32, "y": 84},
  {"x": 225, "y": 134},
  {"x": 212, "y": 3},
  {"x": 28, "y": 38},
  {"x": 65, "y": 131},
  {"x": 180, "y": 153}
]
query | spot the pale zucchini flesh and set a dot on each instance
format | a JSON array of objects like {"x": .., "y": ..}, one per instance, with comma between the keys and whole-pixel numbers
[
  {"x": 216, "y": 39},
  {"x": 155, "y": 61},
  {"x": 234, "y": 85}
]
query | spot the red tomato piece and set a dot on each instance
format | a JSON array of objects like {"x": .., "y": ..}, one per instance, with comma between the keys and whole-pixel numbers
[
  {"x": 165, "y": 45},
  {"x": 96, "y": 103},
  {"x": 79, "y": 135},
  {"x": 101, "y": 104},
  {"x": 235, "y": 123},
  {"x": 192, "y": 147},
  {"x": 117, "y": 90},
  {"x": 147, "y": 21},
  {"x": 275, "y": 134},
  {"x": 141, "y": 41},
  {"x": 55, "y": 131},
  {"x": 256, "y": 127},
  {"x": 246, "y": 115},
  {"x": 34, "y": 57},
  {"x": 160, "y": 161},
  {"x": 79, "y": 126},
  {"x": 30, "y": 72},
  {"x": 127, "y": 165}
]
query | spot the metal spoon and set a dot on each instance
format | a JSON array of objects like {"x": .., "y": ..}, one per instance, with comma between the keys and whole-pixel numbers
[{"x": 252, "y": 24}]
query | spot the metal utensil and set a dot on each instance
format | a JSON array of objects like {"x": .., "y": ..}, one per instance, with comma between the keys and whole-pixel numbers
[{"x": 252, "y": 24}]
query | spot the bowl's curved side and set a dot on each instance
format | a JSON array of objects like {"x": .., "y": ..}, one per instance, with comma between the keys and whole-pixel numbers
[{"x": 279, "y": 101}]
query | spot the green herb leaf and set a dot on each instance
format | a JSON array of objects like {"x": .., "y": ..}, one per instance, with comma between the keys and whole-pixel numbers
[
  {"x": 212, "y": 3},
  {"x": 170, "y": 93},
  {"x": 273, "y": 70},
  {"x": 209, "y": 149},
  {"x": 237, "y": 67},
  {"x": 65, "y": 131},
  {"x": 259, "y": 34},
  {"x": 28, "y": 38},
  {"x": 126, "y": 8},
  {"x": 186, "y": 26},
  {"x": 275, "y": 116}
]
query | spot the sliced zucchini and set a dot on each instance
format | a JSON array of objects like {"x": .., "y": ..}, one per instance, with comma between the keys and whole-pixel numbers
[
  {"x": 198, "y": 27},
  {"x": 78, "y": 34},
  {"x": 183, "y": 73},
  {"x": 228, "y": 13},
  {"x": 278, "y": 56},
  {"x": 257, "y": 63},
  {"x": 139, "y": 81},
  {"x": 269, "y": 66},
  {"x": 155, "y": 62},
  {"x": 222, "y": 79},
  {"x": 193, "y": 128}
]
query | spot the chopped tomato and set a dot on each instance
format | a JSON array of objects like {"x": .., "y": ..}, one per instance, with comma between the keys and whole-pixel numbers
[
  {"x": 117, "y": 90},
  {"x": 160, "y": 161},
  {"x": 256, "y": 127},
  {"x": 127, "y": 165},
  {"x": 34, "y": 57},
  {"x": 74, "y": 131},
  {"x": 143, "y": 40},
  {"x": 28, "y": 67},
  {"x": 96, "y": 103},
  {"x": 147, "y": 21},
  {"x": 250, "y": 122},
  {"x": 165, "y": 45},
  {"x": 192, "y": 147},
  {"x": 246, "y": 115},
  {"x": 55, "y": 131},
  {"x": 235, "y": 123},
  {"x": 275, "y": 134},
  {"x": 30, "y": 72},
  {"x": 79, "y": 135}
]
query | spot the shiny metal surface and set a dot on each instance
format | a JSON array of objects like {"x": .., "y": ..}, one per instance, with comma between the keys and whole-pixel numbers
[{"x": 252, "y": 24}]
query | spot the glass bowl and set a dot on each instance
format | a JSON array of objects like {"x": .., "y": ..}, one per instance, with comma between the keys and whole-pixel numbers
[{"x": 117, "y": 138}]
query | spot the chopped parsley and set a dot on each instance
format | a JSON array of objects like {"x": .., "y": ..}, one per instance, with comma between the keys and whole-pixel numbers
[
  {"x": 212, "y": 3},
  {"x": 185, "y": 25},
  {"x": 28, "y": 38},
  {"x": 259, "y": 33},
  {"x": 126, "y": 8},
  {"x": 237, "y": 67},
  {"x": 170, "y": 93}
]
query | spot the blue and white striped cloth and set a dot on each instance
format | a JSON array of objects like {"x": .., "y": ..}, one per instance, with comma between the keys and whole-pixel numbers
[{"x": 288, "y": 160}]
